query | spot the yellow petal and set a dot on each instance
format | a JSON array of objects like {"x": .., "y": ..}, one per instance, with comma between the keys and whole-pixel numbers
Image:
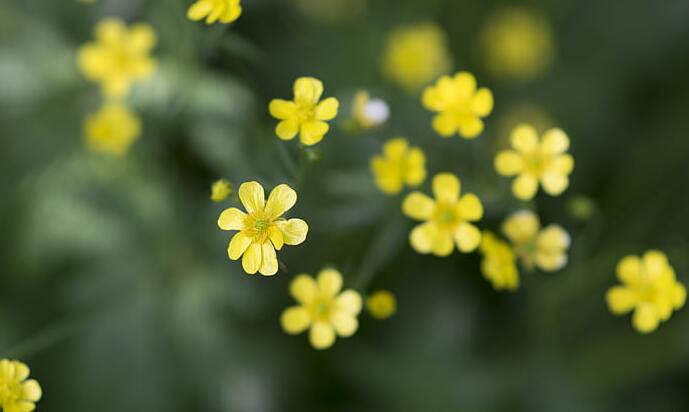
[
  {"x": 395, "y": 148},
  {"x": 294, "y": 231},
  {"x": 655, "y": 263},
  {"x": 555, "y": 141},
  {"x": 679, "y": 295},
  {"x": 521, "y": 227},
  {"x": 418, "y": 206},
  {"x": 431, "y": 98},
  {"x": 446, "y": 187},
  {"x": 470, "y": 127},
  {"x": 553, "y": 237},
  {"x": 252, "y": 196},
  {"x": 621, "y": 299},
  {"x": 470, "y": 207},
  {"x": 329, "y": 282},
  {"x": 482, "y": 102},
  {"x": 327, "y": 109},
  {"x": 629, "y": 270},
  {"x": 563, "y": 164},
  {"x": 508, "y": 163},
  {"x": 287, "y": 129},
  {"x": 524, "y": 138},
  {"x": 295, "y": 320},
  {"x": 232, "y": 12},
  {"x": 142, "y": 38},
  {"x": 276, "y": 237},
  {"x": 199, "y": 10},
  {"x": 445, "y": 124},
  {"x": 231, "y": 219},
  {"x": 269, "y": 262},
  {"x": 550, "y": 261},
  {"x": 111, "y": 31},
  {"x": 312, "y": 132},
  {"x": 344, "y": 323},
  {"x": 303, "y": 289},
  {"x": 416, "y": 167},
  {"x": 442, "y": 244},
  {"x": 280, "y": 200},
  {"x": 467, "y": 237},
  {"x": 422, "y": 237},
  {"x": 388, "y": 176},
  {"x": 554, "y": 183},
  {"x": 308, "y": 90},
  {"x": 524, "y": 186},
  {"x": 645, "y": 319},
  {"x": 381, "y": 304},
  {"x": 465, "y": 84},
  {"x": 282, "y": 109},
  {"x": 252, "y": 259},
  {"x": 238, "y": 245},
  {"x": 322, "y": 335},
  {"x": 31, "y": 391},
  {"x": 349, "y": 301},
  {"x": 21, "y": 371}
]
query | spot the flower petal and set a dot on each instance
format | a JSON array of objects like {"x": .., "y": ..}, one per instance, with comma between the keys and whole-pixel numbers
[
  {"x": 563, "y": 164},
  {"x": 280, "y": 200},
  {"x": 525, "y": 186},
  {"x": 231, "y": 219},
  {"x": 446, "y": 187},
  {"x": 344, "y": 323},
  {"x": 655, "y": 263},
  {"x": 470, "y": 127},
  {"x": 415, "y": 173},
  {"x": 418, "y": 206},
  {"x": 31, "y": 391},
  {"x": 442, "y": 244},
  {"x": 294, "y": 231},
  {"x": 621, "y": 299},
  {"x": 467, "y": 237},
  {"x": 295, "y": 320},
  {"x": 349, "y": 301},
  {"x": 327, "y": 109},
  {"x": 287, "y": 129},
  {"x": 524, "y": 138},
  {"x": 252, "y": 259},
  {"x": 322, "y": 335},
  {"x": 312, "y": 132},
  {"x": 470, "y": 207},
  {"x": 508, "y": 163},
  {"x": 554, "y": 183},
  {"x": 308, "y": 90},
  {"x": 555, "y": 141},
  {"x": 21, "y": 371},
  {"x": 629, "y": 270},
  {"x": 645, "y": 319},
  {"x": 445, "y": 124},
  {"x": 464, "y": 84},
  {"x": 679, "y": 295},
  {"x": 553, "y": 237},
  {"x": 521, "y": 227},
  {"x": 329, "y": 282},
  {"x": 303, "y": 289},
  {"x": 282, "y": 109},
  {"x": 423, "y": 236},
  {"x": 550, "y": 260},
  {"x": 238, "y": 245},
  {"x": 269, "y": 263},
  {"x": 252, "y": 196},
  {"x": 275, "y": 236},
  {"x": 482, "y": 102}
]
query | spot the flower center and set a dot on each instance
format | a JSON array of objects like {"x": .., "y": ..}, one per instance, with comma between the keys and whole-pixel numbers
[
  {"x": 321, "y": 308},
  {"x": 446, "y": 216},
  {"x": 258, "y": 228},
  {"x": 305, "y": 111},
  {"x": 10, "y": 392},
  {"x": 260, "y": 225}
]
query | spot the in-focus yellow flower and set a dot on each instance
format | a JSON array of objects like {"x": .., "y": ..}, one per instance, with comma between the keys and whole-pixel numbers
[
  {"x": 400, "y": 164},
  {"x": 415, "y": 55},
  {"x": 304, "y": 115},
  {"x": 533, "y": 161},
  {"x": 517, "y": 44},
  {"x": 381, "y": 304},
  {"x": 369, "y": 112},
  {"x": 498, "y": 264},
  {"x": 119, "y": 56},
  {"x": 546, "y": 249},
  {"x": 220, "y": 190},
  {"x": 17, "y": 392},
  {"x": 649, "y": 287},
  {"x": 446, "y": 218},
  {"x": 322, "y": 308},
  {"x": 262, "y": 229},
  {"x": 224, "y": 11},
  {"x": 459, "y": 105},
  {"x": 112, "y": 129}
]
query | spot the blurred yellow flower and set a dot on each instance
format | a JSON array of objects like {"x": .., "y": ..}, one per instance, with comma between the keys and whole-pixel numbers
[
  {"x": 225, "y": 11},
  {"x": 446, "y": 219},
  {"x": 369, "y": 112},
  {"x": 460, "y": 106},
  {"x": 220, "y": 190},
  {"x": 498, "y": 264},
  {"x": 112, "y": 129},
  {"x": 17, "y": 393},
  {"x": 517, "y": 44},
  {"x": 262, "y": 229},
  {"x": 415, "y": 55},
  {"x": 546, "y": 249},
  {"x": 304, "y": 115},
  {"x": 118, "y": 57},
  {"x": 533, "y": 161},
  {"x": 381, "y": 304},
  {"x": 322, "y": 308},
  {"x": 400, "y": 164},
  {"x": 649, "y": 287}
]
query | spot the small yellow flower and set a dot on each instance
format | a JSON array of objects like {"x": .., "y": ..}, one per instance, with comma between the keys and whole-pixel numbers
[
  {"x": 221, "y": 190},
  {"x": 460, "y": 106},
  {"x": 546, "y": 249},
  {"x": 533, "y": 161},
  {"x": 17, "y": 393},
  {"x": 112, "y": 129},
  {"x": 498, "y": 264},
  {"x": 649, "y": 287},
  {"x": 118, "y": 57},
  {"x": 225, "y": 11},
  {"x": 304, "y": 115},
  {"x": 262, "y": 229},
  {"x": 415, "y": 55},
  {"x": 446, "y": 219},
  {"x": 369, "y": 112},
  {"x": 400, "y": 164},
  {"x": 322, "y": 308},
  {"x": 381, "y": 304}
]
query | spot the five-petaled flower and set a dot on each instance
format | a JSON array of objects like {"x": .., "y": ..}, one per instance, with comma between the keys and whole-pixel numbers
[
  {"x": 221, "y": 190},
  {"x": 498, "y": 264},
  {"x": 446, "y": 219},
  {"x": 546, "y": 249},
  {"x": 533, "y": 161},
  {"x": 17, "y": 392},
  {"x": 262, "y": 229},
  {"x": 460, "y": 106},
  {"x": 322, "y": 308},
  {"x": 112, "y": 129},
  {"x": 306, "y": 115},
  {"x": 649, "y": 287},
  {"x": 119, "y": 56},
  {"x": 400, "y": 164}
]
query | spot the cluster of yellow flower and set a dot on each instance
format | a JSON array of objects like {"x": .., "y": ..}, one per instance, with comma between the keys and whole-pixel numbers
[{"x": 18, "y": 393}]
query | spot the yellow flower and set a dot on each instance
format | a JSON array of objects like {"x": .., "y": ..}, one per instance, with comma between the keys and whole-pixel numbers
[
  {"x": 369, "y": 112},
  {"x": 262, "y": 230},
  {"x": 220, "y": 190},
  {"x": 498, "y": 263},
  {"x": 17, "y": 393},
  {"x": 649, "y": 287},
  {"x": 517, "y": 43},
  {"x": 322, "y": 308},
  {"x": 118, "y": 57},
  {"x": 546, "y": 249},
  {"x": 446, "y": 219},
  {"x": 112, "y": 129},
  {"x": 304, "y": 115},
  {"x": 459, "y": 105},
  {"x": 415, "y": 55},
  {"x": 381, "y": 304},
  {"x": 225, "y": 11},
  {"x": 533, "y": 161},
  {"x": 399, "y": 165}
]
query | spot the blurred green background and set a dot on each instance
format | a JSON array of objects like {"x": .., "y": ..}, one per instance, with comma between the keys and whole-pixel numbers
[{"x": 116, "y": 288}]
